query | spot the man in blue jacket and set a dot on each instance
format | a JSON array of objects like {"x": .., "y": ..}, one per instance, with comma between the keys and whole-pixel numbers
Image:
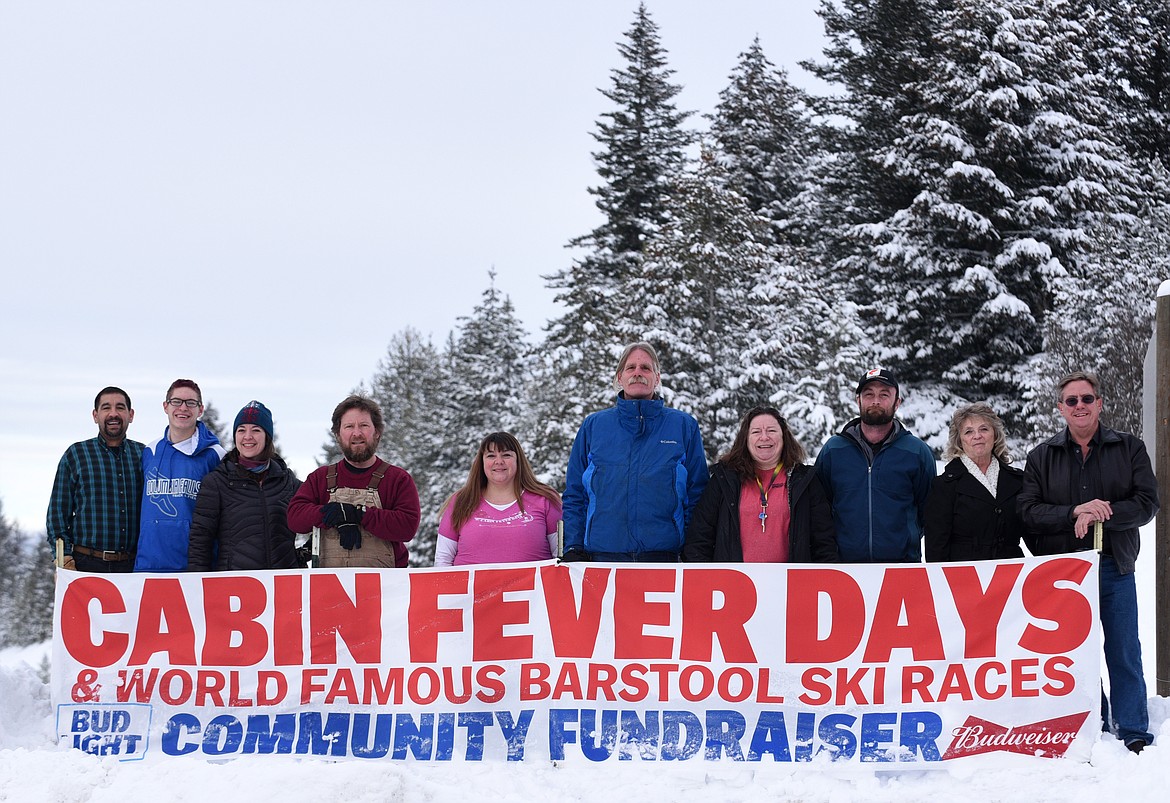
[
  {"x": 877, "y": 476},
  {"x": 635, "y": 472}
]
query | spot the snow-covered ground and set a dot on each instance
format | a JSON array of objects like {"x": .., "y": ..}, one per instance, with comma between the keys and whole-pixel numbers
[{"x": 34, "y": 768}]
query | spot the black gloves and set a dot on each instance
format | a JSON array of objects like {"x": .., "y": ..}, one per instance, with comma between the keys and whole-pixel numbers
[
  {"x": 347, "y": 519},
  {"x": 574, "y": 553},
  {"x": 350, "y": 536}
]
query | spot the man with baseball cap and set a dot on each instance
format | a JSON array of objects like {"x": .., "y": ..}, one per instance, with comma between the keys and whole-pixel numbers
[{"x": 877, "y": 476}]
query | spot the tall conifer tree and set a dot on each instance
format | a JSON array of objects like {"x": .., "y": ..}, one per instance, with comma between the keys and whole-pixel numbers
[{"x": 642, "y": 143}]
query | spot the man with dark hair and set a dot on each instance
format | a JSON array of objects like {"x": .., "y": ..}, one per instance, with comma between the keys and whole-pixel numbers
[
  {"x": 635, "y": 472},
  {"x": 1089, "y": 475},
  {"x": 367, "y": 509},
  {"x": 173, "y": 468},
  {"x": 94, "y": 507},
  {"x": 877, "y": 476}
]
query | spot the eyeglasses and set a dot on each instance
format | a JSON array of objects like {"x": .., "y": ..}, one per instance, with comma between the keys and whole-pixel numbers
[
  {"x": 180, "y": 402},
  {"x": 1085, "y": 399}
]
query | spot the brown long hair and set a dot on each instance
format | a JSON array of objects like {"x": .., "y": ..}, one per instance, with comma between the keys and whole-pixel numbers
[
  {"x": 464, "y": 501},
  {"x": 739, "y": 459}
]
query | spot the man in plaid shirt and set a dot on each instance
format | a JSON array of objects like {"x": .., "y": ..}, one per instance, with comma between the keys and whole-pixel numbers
[{"x": 97, "y": 493}]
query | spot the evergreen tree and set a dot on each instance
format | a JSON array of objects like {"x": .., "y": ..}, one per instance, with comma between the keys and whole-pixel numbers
[
  {"x": 212, "y": 421},
  {"x": 487, "y": 361},
  {"x": 877, "y": 50},
  {"x": 1134, "y": 42},
  {"x": 411, "y": 385},
  {"x": 1012, "y": 166},
  {"x": 764, "y": 137},
  {"x": 642, "y": 148},
  {"x": 27, "y": 588},
  {"x": 690, "y": 298}
]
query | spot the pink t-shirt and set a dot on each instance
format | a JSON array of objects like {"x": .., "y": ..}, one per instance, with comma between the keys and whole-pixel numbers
[{"x": 504, "y": 536}]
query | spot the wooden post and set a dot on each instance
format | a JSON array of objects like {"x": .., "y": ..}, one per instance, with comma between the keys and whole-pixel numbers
[{"x": 1162, "y": 470}]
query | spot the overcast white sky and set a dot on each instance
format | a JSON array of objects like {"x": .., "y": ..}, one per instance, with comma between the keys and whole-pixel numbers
[{"x": 258, "y": 194}]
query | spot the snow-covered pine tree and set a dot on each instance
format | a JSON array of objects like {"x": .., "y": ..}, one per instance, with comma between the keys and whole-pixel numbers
[
  {"x": 690, "y": 299},
  {"x": 1134, "y": 43},
  {"x": 877, "y": 49},
  {"x": 487, "y": 360},
  {"x": 1013, "y": 165},
  {"x": 642, "y": 143},
  {"x": 213, "y": 422},
  {"x": 410, "y": 385},
  {"x": 762, "y": 132},
  {"x": 10, "y": 543}
]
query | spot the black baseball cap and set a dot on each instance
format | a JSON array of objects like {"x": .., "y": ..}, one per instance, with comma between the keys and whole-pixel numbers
[{"x": 877, "y": 375}]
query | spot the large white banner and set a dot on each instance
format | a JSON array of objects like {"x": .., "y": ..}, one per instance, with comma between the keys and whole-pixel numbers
[{"x": 909, "y": 665}]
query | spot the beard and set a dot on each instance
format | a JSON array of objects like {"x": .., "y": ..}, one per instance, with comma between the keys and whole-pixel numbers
[
  {"x": 113, "y": 428},
  {"x": 876, "y": 416},
  {"x": 359, "y": 453}
]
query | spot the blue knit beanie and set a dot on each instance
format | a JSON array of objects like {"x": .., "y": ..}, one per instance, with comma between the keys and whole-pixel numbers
[{"x": 254, "y": 413}]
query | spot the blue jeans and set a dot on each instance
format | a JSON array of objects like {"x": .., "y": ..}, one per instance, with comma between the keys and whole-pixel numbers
[{"x": 1123, "y": 657}]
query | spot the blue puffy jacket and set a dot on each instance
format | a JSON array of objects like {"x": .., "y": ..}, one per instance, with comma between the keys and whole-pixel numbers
[
  {"x": 635, "y": 472},
  {"x": 171, "y": 484},
  {"x": 877, "y": 506}
]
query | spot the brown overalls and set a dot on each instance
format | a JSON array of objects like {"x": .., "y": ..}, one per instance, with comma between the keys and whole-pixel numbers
[{"x": 374, "y": 551}]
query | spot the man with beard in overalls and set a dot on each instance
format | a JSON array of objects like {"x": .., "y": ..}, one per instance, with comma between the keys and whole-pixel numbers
[{"x": 366, "y": 508}]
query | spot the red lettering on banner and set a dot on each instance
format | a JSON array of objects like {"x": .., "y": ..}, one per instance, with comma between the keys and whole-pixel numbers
[
  {"x": 1060, "y": 682},
  {"x": 762, "y": 695},
  {"x": 630, "y": 589},
  {"x": 1067, "y": 608},
  {"x": 534, "y": 683},
  {"x": 380, "y": 685},
  {"x": 136, "y": 686},
  {"x": 703, "y": 622},
  {"x": 846, "y": 621},
  {"x": 287, "y": 620},
  {"x": 904, "y": 592},
  {"x": 491, "y": 613},
  {"x": 357, "y": 621},
  {"x": 573, "y": 627},
  {"x": 1023, "y": 675},
  {"x": 817, "y": 691},
  {"x": 232, "y": 605},
  {"x": 863, "y": 686},
  {"x": 981, "y": 610},
  {"x": 76, "y": 623},
  {"x": 634, "y": 681},
  {"x": 489, "y": 678},
  {"x": 601, "y": 680},
  {"x": 164, "y": 624},
  {"x": 310, "y": 684},
  {"x": 425, "y": 619},
  {"x": 568, "y": 683},
  {"x": 983, "y": 682},
  {"x": 955, "y": 683}
]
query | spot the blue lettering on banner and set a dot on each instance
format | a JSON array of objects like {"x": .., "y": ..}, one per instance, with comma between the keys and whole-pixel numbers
[
  {"x": 122, "y": 731},
  {"x": 424, "y": 737},
  {"x": 680, "y": 735}
]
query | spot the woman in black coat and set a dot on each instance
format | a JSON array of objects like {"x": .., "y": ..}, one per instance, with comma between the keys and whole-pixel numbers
[
  {"x": 763, "y": 504},
  {"x": 239, "y": 521},
  {"x": 971, "y": 512}
]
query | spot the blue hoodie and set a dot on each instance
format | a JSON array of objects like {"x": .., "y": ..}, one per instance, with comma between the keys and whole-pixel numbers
[{"x": 172, "y": 480}]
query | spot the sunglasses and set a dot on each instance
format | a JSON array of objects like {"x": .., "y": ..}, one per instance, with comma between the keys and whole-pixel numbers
[{"x": 1085, "y": 399}]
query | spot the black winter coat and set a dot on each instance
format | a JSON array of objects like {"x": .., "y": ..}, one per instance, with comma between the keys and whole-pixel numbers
[
  {"x": 713, "y": 534},
  {"x": 1050, "y": 494},
  {"x": 963, "y": 522},
  {"x": 239, "y": 521}
]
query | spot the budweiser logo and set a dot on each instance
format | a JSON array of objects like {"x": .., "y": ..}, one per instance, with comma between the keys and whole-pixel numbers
[{"x": 1047, "y": 739}]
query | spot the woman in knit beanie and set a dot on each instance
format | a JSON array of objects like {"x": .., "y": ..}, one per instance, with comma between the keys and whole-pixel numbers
[{"x": 239, "y": 521}]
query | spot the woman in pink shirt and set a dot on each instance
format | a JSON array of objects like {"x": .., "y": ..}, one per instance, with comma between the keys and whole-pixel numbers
[{"x": 502, "y": 514}]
